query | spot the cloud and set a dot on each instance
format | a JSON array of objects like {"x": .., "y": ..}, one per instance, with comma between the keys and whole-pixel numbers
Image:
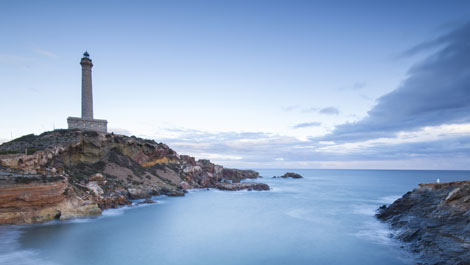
[
  {"x": 329, "y": 111},
  {"x": 359, "y": 85},
  {"x": 120, "y": 131},
  {"x": 407, "y": 140},
  {"x": 24, "y": 62},
  {"x": 437, "y": 91},
  {"x": 306, "y": 125},
  {"x": 326, "y": 110},
  {"x": 310, "y": 110},
  {"x": 45, "y": 52},
  {"x": 439, "y": 144},
  {"x": 455, "y": 147},
  {"x": 290, "y": 108},
  {"x": 18, "y": 61},
  {"x": 226, "y": 147}
]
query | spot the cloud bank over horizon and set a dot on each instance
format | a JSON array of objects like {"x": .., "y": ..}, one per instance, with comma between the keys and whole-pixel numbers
[
  {"x": 417, "y": 125},
  {"x": 436, "y": 91},
  {"x": 422, "y": 149}
]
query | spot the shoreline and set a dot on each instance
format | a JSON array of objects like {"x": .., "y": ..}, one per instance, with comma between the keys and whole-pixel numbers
[{"x": 182, "y": 216}]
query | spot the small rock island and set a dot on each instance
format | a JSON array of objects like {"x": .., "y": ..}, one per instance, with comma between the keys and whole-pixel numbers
[{"x": 290, "y": 175}]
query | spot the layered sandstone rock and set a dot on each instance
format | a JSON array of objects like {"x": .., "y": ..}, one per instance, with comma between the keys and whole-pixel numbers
[{"x": 40, "y": 202}]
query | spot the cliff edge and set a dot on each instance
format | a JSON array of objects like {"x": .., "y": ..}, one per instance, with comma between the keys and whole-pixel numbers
[
  {"x": 64, "y": 174},
  {"x": 434, "y": 222}
]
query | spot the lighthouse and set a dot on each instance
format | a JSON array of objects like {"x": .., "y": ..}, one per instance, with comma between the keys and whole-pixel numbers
[
  {"x": 87, "y": 89},
  {"x": 87, "y": 122}
]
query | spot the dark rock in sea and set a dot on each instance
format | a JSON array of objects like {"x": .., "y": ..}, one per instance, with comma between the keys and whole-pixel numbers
[
  {"x": 242, "y": 186},
  {"x": 290, "y": 175},
  {"x": 175, "y": 193},
  {"x": 147, "y": 201},
  {"x": 65, "y": 174},
  {"x": 434, "y": 221}
]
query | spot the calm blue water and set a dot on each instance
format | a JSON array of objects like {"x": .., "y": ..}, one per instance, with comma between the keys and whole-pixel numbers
[{"x": 325, "y": 218}]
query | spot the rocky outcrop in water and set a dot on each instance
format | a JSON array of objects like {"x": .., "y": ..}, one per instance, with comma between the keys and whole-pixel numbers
[
  {"x": 290, "y": 175},
  {"x": 242, "y": 186},
  {"x": 434, "y": 222},
  {"x": 65, "y": 174}
]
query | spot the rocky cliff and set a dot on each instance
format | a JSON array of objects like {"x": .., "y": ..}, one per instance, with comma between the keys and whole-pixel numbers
[
  {"x": 65, "y": 174},
  {"x": 434, "y": 222}
]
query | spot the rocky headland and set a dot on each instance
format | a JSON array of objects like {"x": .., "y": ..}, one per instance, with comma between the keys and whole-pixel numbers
[
  {"x": 433, "y": 221},
  {"x": 65, "y": 174}
]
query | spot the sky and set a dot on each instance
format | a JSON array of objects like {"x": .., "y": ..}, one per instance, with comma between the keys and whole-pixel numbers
[{"x": 250, "y": 84}]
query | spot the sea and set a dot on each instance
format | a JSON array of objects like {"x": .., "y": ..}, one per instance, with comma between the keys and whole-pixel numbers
[{"x": 327, "y": 217}]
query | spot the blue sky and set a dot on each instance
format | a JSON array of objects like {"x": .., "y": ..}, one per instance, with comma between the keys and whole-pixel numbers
[{"x": 283, "y": 84}]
